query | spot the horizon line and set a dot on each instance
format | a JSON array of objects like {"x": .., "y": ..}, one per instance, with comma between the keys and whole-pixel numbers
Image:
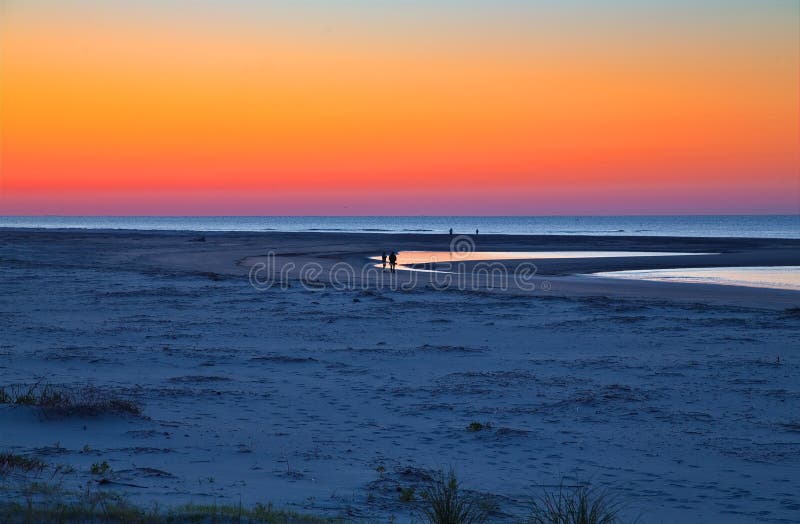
[{"x": 48, "y": 215}]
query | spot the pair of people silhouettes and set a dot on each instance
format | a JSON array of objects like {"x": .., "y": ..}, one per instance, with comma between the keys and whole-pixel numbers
[
  {"x": 451, "y": 232},
  {"x": 392, "y": 258}
]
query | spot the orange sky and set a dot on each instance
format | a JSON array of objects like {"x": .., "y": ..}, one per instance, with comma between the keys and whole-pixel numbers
[{"x": 440, "y": 108}]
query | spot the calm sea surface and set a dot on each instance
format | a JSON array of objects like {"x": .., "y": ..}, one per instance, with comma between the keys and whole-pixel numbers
[{"x": 755, "y": 226}]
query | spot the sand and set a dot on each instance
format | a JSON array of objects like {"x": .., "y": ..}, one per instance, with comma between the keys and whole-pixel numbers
[{"x": 680, "y": 398}]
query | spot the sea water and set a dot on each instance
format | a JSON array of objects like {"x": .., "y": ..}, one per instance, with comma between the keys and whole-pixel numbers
[{"x": 747, "y": 226}]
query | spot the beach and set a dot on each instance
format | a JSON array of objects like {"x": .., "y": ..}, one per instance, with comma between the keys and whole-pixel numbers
[{"x": 285, "y": 368}]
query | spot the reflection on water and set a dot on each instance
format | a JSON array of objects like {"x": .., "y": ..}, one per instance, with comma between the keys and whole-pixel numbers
[
  {"x": 427, "y": 257},
  {"x": 407, "y": 259},
  {"x": 778, "y": 277}
]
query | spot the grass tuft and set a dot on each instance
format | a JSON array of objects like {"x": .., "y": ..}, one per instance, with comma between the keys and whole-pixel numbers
[
  {"x": 87, "y": 401},
  {"x": 100, "y": 468},
  {"x": 477, "y": 426},
  {"x": 444, "y": 502},
  {"x": 578, "y": 505},
  {"x": 9, "y": 462}
]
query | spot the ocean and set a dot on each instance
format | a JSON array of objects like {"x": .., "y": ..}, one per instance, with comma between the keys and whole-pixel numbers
[{"x": 747, "y": 226}]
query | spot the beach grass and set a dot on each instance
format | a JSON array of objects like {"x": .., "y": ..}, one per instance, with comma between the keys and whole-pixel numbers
[
  {"x": 444, "y": 501},
  {"x": 34, "y": 491},
  {"x": 575, "y": 505},
  {"x": 59, "y": 402},
  {"x": 441, "y": 500},
  {"x": 48, "y": 503},
  {"x": 109, "y": 510},
  {"x": 11, "y": 462}
]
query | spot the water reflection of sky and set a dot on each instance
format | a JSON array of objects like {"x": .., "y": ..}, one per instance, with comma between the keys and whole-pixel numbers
[
  {"x": 406, "y": 259},
  {"x": 427, "y": 257},
  {"x": 777, "y": 277}
]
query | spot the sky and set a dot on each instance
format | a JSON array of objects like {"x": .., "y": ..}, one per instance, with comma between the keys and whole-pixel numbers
[{"x": 437, "y": 107}]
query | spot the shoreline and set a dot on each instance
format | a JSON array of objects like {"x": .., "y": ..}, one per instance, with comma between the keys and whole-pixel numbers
[
  {"x": 702, "y": 225},
  {"x": 385, "y": 233},
  {"x": 234, "y": 255}
]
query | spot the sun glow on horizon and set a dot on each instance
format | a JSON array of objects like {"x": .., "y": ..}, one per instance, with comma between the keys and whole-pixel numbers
[{"x": 441, "y": 107}]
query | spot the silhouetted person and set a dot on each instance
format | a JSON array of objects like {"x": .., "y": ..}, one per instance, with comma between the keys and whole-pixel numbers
[
  {"x": 476, "y": 232},
  {"x": 392, "y": 261},
  {"x": 451, "y": 231},
  {"x": 383, "y": 259}
]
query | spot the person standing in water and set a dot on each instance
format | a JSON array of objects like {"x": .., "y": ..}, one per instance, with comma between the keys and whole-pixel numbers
[
  {"x": 392, "y": 262},
  {"x": 451, "y": 231},
  {"x": 383, "y": 259}
]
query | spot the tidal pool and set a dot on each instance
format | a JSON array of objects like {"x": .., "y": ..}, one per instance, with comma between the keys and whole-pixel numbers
[
  {"x": 774, "y": 277},
  {"x": 410, "y": 258}
]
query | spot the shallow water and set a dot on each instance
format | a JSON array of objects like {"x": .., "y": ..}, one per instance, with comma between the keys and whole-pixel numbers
[
  {"x": 428, "y": 257},
  {"x": 778, "y": 277}
]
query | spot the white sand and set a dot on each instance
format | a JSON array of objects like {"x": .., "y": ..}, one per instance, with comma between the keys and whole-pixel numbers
[{"x": 679, "y": 405}]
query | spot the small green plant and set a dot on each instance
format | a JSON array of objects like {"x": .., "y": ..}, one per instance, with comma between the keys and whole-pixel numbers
[
  {"x": 444, "y": 502},
  {"x": 406, "y": 494},
  {"x": 576, "y": 505},
  {"x": 100, "y": 468},
  {"x": 477, "y": 426}
]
